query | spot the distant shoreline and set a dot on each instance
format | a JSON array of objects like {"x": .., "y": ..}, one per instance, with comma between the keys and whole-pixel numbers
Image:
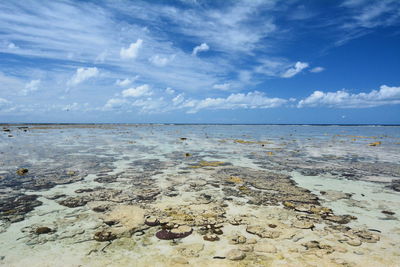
[{"x": 195, "y": 124}]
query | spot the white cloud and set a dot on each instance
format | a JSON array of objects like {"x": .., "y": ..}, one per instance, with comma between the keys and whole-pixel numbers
[
  {"x": 71, "y": 107},
  {"x": 200, "y": 48},
  {"x": 342, "y": 99},
  {"x": 132, "y": 51},
  {"x": 160, "y": 61},
  {"x": 142, "y": 90},
  {"x": 250, "y": 100},
  {"x": 178, "y": 99},
  {"x": 297, "y": 68},
  {"x": 12, "y": 46},
  {"x": 3, "y": 101},
  {"x": 223, "y": 86},
  {"x": 151, "y": 105},
  {"x": 101, "y": 57},
  {"x": 317, "y": 69},
  {"x": 126, "y": 82},
  {"x": 169, "y": 91},
  {"x": 83, "y": 74},
  {"x": 114, "y": 103},
  {"x": 31, "y": 87}
]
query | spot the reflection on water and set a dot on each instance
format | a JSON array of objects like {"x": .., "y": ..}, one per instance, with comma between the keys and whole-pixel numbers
[{"x": 199, "y": 194}]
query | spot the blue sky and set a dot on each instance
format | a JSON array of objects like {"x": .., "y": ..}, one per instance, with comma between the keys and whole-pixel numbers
[{"x": 193, "y": 61}]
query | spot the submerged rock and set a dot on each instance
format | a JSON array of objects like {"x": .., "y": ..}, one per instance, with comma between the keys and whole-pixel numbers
[
  {"x": 103, "y": 236},
  {"x": 73, "y": 202},
  {"x": 211, "y": 237},
  {"x": 235, "y": 255},
  {"x": 128, "y": 218},
  {"x": 43, "y": 230},
  {"x": 179, "y": 232},
  {"x": 239, "y": 239},
  {"x": 265, "y": 247},
  {"x": 303, "y": 225},
  {"x": 152, "y": 221},
  {"x": 22, "y": 171},
  {"x": 263, "y": 232}
]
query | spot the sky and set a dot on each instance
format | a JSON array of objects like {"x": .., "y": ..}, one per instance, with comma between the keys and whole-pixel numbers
[{"x": 193, "y": 61}]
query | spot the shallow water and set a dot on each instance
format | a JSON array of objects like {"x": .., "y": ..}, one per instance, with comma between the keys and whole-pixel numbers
[{"x": 293, "y": 184}]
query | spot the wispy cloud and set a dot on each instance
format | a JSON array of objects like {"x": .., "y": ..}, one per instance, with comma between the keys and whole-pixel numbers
[
  {"x": 296, "y": 69},
  {"x": 200, "y": 48},
  {"x": 31, "y": 87},
  {"x": 317, "y": 69}
]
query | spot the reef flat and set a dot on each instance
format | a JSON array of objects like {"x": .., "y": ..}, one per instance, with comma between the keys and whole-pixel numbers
[{"x": 199, "y": 195}]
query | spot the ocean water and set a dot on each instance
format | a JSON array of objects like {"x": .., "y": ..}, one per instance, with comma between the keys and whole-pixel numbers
[{"x": 170, "y": 195}]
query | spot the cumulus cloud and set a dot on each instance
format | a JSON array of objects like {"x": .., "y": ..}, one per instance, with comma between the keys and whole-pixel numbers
[
  {"x": 12, "y": 46},
  {"x": 250, "y": 100},
  {"x": 132, "y": 51},
  {"x": 297, "y": 68},
  {"x": 151, "y": 105},
  {"x": 83, "y": 74},
  {"x": 386, "y": 95},
  {"x": 169, "y": 91},
  {"x": 126, "y": 82},
  {"x": 114, "y": 103},
  {"x": 223, "y": 86},
  {"x": 31, "y": 87},
  {"x": 200, "y": 48},
  {"x": 142, "y": 90},
  {"x": 317, "y": 69}
]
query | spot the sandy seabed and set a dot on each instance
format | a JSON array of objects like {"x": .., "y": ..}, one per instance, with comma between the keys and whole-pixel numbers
[{"x": 199, "y": 195}]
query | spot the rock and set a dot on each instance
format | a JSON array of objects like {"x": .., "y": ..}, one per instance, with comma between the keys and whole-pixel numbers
[
  {"x": 334, "y": 195},
  {"x": 128, "y": 217},
  {"x": 83, "y": 190},
  {"x": 73, "y": 202},
  {"x": 265, "y": 247},
  {"x": 236, "y": 221},
  {"x": 388, "y": 212},
  {"x": 246, "y": 248},
  {"x": 43, "y": 230},
  {"x": 311, "y": 244},
  {"x": 190, "y": 250},
  {"x": 341, "y": 219},
  {"x": 271, "y": 225},
  {"x": 71, "y": 173},
  {"x": 182, "y": 231},
  {"x": 251, "y": 241},
  {"x": 303, "y": 225},
  {"x": 179, "y": 260},
  {"x": 217, "y": 231},
  {"x": 179, "y": 232},
  {"x": 354, "y": 242},
  {"x": 366, "y": 236},
  {"x": 235, "y": 255},
  {"x": 22, "y": 171},
  {"x": 152, "y": 221},
  {"x": 211, "y": 237},
  {"x": 262, "y": 232},
  {"x": 239, "y": 239},
  {"x": 378, "y": 143},
  {"x": 103, "y": 236},
  {"x": 289, "y": 205}
]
